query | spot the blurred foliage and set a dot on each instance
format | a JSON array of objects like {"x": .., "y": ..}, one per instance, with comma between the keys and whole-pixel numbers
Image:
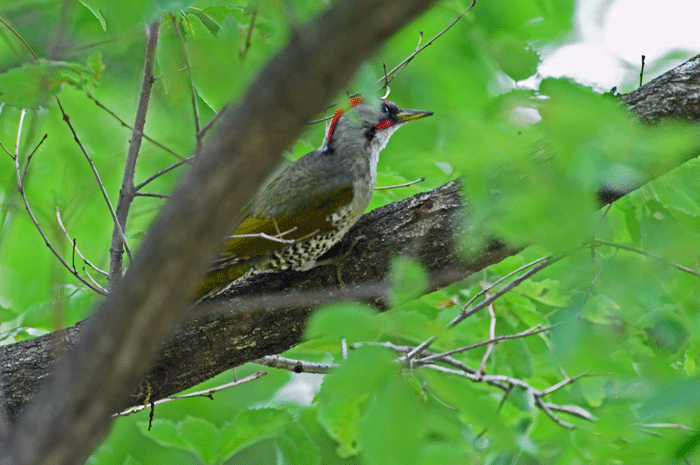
[{"x": 532, "y": 158}]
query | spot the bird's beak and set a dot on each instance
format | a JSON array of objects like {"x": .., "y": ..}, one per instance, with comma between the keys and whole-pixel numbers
[{"x": 408, "y": 115}]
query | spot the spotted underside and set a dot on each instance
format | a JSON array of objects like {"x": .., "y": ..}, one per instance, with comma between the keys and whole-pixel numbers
[{"x": 306, "y": 239}]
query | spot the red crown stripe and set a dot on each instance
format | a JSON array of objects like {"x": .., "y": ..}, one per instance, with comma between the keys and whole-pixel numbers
[{"x": 352, "y": 101}]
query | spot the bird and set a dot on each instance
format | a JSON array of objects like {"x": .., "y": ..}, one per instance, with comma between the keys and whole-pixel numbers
[{"x": 312, "y": 203}]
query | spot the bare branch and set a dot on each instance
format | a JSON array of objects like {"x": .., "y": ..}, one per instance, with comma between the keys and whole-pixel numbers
[
  {"x": 516, "y": 282},
  {"x": 398, "y": 68},
  {"x": 82, "y": 257},
  {"x": 117, "y": 225},
  {"x": 494, "y": 340},
  {"x": 134, "y": 131},
  {"x": 571, "y": 410},
  {"x": 206, "y": 393},
  {"x": 29, "y": 158},
  {"x": 650, "y": 255},
  {"x": 211, "y": 122},
  {"x": 297, "y": 366},
  {"x": 547, "y": 408},
  {"x": 409, "y": 183},
  {"x": 666, "y": 426},
  {"x": 246, "y": 45},
  {"x": 492, "y": 335},
  {"x": 20, "y": 188},
  {"x": 163, "y": 171},
  {"x": 26, "y": 45},
  {"x": 128, "y": 191},
  {"x": 513, "y": 284},
  {"x": 193, "y": 90},
  {"x": 152, "y": 194}
]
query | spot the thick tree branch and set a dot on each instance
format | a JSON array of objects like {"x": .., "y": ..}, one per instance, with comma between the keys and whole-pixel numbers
[{"x": 72, "y": 412}]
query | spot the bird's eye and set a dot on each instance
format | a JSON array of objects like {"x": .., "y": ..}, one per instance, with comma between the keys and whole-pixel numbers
[{"x": 385, "y": 108}]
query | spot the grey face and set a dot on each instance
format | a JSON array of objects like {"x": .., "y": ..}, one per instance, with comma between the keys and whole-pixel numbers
[{"x": 368, "y": 125}]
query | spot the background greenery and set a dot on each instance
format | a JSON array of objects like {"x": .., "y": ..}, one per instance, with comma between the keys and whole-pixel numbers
[{"x": 626, "y": 321}]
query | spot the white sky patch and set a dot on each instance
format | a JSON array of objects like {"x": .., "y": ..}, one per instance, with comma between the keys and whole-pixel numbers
[{"x": 610, "y": 38}]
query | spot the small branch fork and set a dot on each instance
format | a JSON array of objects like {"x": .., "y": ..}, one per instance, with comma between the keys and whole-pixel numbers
[
  {"x": 391, "y": 75},
  {"x": 127, "y": 192},
  {"x": 21, "y": 178}
]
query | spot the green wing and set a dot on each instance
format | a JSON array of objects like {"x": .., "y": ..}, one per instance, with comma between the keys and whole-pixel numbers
[{"x": 230, "y": 263}]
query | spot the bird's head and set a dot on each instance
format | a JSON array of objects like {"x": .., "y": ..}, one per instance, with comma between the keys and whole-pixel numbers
[{"x": 367, "y": 125}]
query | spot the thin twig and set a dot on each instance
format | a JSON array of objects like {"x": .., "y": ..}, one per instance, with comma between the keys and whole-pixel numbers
[
  {"x": 666, "y": 425},
  {"x": 193, "y": 90},
  {"x": 500, "y": 381},
  {"x": 409, "y": 183},
  {"x": 398, "y": 68},
  {"x": 7, "y": 151},
  {"x": 562, "y": 383},
  {"x": 650, "y": 255},
  {"x": 641, "y": 72},
  {"x": 571, "y": 410},
  {"x": 131, "y": 128},
  {"x": 500, "y": 280},
  {"x": 80, "y": 254},
  {"x": 163, "y": 171},
  {"x": 516, "y": 282},
  {"x": 66, "y": 118},
  {"x": 206, "y": 393},
  {"x": 20, "y": 188},
  {"x": 548, "y": 410},
  {"x": 297, "y": 366},
  {"x": 94, "y": 281},
  {"x": 211, "y": 122},
  {"x": 419, "y": 348},
  {"x": 492, "y": 335},
  {"x": 75, "y": 245},
  {"x": 494, "y": 340},
  {"x": 425, "y": 344},
  {"x": 246, "y": 45},
  {"x": 275, "y": 238},
  {"x": 26, "y": 45},
  {"x": 29, "y": 158},
  {"x": 152, "y": 194}
]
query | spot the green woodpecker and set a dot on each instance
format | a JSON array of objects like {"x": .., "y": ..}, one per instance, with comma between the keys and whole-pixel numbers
[{"x": 305, "y": 210}]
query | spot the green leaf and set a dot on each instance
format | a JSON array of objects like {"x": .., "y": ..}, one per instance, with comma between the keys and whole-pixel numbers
[
  {"x": 131, "y": 461},
  {"x": 677, "y": 397},
  {"x": 95, "y": 63},
  {"x": 296, "y": 447},
  {"x": 203, "y": 438},
  {"x": 391, "y": 431},
  {"x": 164, "y": 432},
  {"x": 95, "y": 10},
  {"x": 250, "y": 427},
  {"x": 546, "y": 291},
  {"x": 443, "y": 453},
  {"x": 346, "y": 391},
  {"x": 30, "y": 86},
  {"x": 515, "y": 57},
  {"x": 351, "y": 320},
  {"x": 408, "y": 280},
  {"x": 516, "y": 354}
]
